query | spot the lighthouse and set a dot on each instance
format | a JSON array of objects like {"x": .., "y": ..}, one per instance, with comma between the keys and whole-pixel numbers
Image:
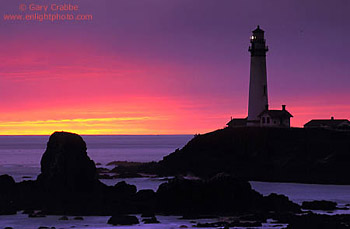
[
  {"x": 259, "y": 113},
  {"x": 258, "y": 96}
]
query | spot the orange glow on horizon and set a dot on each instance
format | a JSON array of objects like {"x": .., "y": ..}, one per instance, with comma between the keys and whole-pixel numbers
[
  {"x": 162, "y": 116},
  {"x": 134, "y": 116},
  {"x": 73, "y": 86}
]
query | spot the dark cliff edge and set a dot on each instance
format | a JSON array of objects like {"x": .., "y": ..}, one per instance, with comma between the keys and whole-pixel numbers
[
  {"x": 69, "y": 185},
  {"x": 262, "y": 154},
  {"x": 266, "y": 154}
]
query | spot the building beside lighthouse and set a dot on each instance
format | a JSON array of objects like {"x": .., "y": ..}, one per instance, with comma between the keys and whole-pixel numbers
[{"x": 259, "y": 113}]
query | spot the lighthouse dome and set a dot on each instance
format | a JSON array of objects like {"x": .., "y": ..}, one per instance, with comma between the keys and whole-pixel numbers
[{"x": 258, "y": 30}]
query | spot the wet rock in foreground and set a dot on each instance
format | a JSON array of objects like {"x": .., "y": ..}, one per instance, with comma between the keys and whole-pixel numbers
[
  {"x": 316, "y": 221},
  {"x": 319, "y": 205},
  {"x": 123, "y": 220},
  {"x": 152, "y": 220},
  {"x": 220, "y": 194},
  {"x": 68, "y": 185},
  {"x": 8, "y": 192}
]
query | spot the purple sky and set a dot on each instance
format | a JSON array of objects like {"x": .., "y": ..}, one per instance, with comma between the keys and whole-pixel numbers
[{"x": 194, "y": 52}]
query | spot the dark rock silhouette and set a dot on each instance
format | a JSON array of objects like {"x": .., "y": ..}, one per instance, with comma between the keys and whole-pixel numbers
[
  {"x": 146, "y": 202},
  {"x": 221, "y": 194},
  {"x": 317, "y": 221},
  {"x": 124, "y": 189},
  {"x": 262, "y": 154},
  {"x": 63, "y": 218},
  {"x": 151, "y": 220},
  {"x": 319, "y": 205},
  {"x": 68, "y": 185},
  {"x": 224, "y": 224},
  {"x": 8, "y": 192},
  {"x": 68, "y": 182},
  {"x": 120, "y": 220},
  {"x": 279, "y": 203},
  {"x": 66, "y": 166},
  {"x": 38, "y": 214},
  {"x": 147, "y": 215}
]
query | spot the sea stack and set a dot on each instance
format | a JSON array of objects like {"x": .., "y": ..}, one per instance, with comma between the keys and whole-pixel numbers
[{"x": 65, "y": 165}]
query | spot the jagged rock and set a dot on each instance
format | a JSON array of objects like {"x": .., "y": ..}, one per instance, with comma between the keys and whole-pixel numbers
[
  {"x": 215, "y": 224},
  {"x": 8, "y": 192},
  {"x": 151, "y": 220},
  {"x": 129, "y": 175},
  {"x": 106, "y": 176},
  {"x": 102, "y": 170},
  {"x": 68, "y": 182},
  {"x": 220, "y": 194},
  {"x": 245, "y": 224},
  {"x": 145, "y": 194},
  {"x": 136, "y": 169},
  {"x": 65, "y": 165},
  {"x": 235, "y": 223},
  {"x": 304, "y": 155},
  {"x": 261, "y": 217},
  {"x": 123, "y": 163},
  {"x": 7, "y": 184},
  {"x": 78, "y": 218},
  {"x": 280, "y": 203},
  {"x": 124, "y": 189},
  {"x": 28, "y": 211},
  {"x": 120, "y": 220},
  {"x": 146, "y": 202},
  {"x": 36, "y": 215},
  {"x": 63, "y": 218},
  {"x": 30, "y": 196},
  {"x": 319, "y": 205},
  {"x": 68, "y": 185},
  {"x": 317, "y": 221}
]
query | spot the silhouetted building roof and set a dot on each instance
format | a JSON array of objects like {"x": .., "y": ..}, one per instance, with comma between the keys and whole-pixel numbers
[
  {"x": 237, "y": 122},
  {"x": 276, "y": 113},
  {"x": 327, "y": 123}
]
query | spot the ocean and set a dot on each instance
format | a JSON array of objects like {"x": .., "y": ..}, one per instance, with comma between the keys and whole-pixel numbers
[{"x": 20, "y": 157}]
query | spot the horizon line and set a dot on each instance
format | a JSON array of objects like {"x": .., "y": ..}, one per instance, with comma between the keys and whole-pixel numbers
[{"x": 2, "y": 135}]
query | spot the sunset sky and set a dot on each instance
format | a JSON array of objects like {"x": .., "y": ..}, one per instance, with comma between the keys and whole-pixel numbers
[{"x": 169, "y": 66}]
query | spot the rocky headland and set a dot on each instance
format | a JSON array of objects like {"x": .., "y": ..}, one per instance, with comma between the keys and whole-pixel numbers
[
  {"x": 69, "y": 186},
  {"x": 260, "y": 154}
]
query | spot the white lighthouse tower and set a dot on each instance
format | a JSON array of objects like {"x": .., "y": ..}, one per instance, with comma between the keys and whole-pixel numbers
[
  {"x": 259, "y": 113},
  {"x": 258, "y": 97}
]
